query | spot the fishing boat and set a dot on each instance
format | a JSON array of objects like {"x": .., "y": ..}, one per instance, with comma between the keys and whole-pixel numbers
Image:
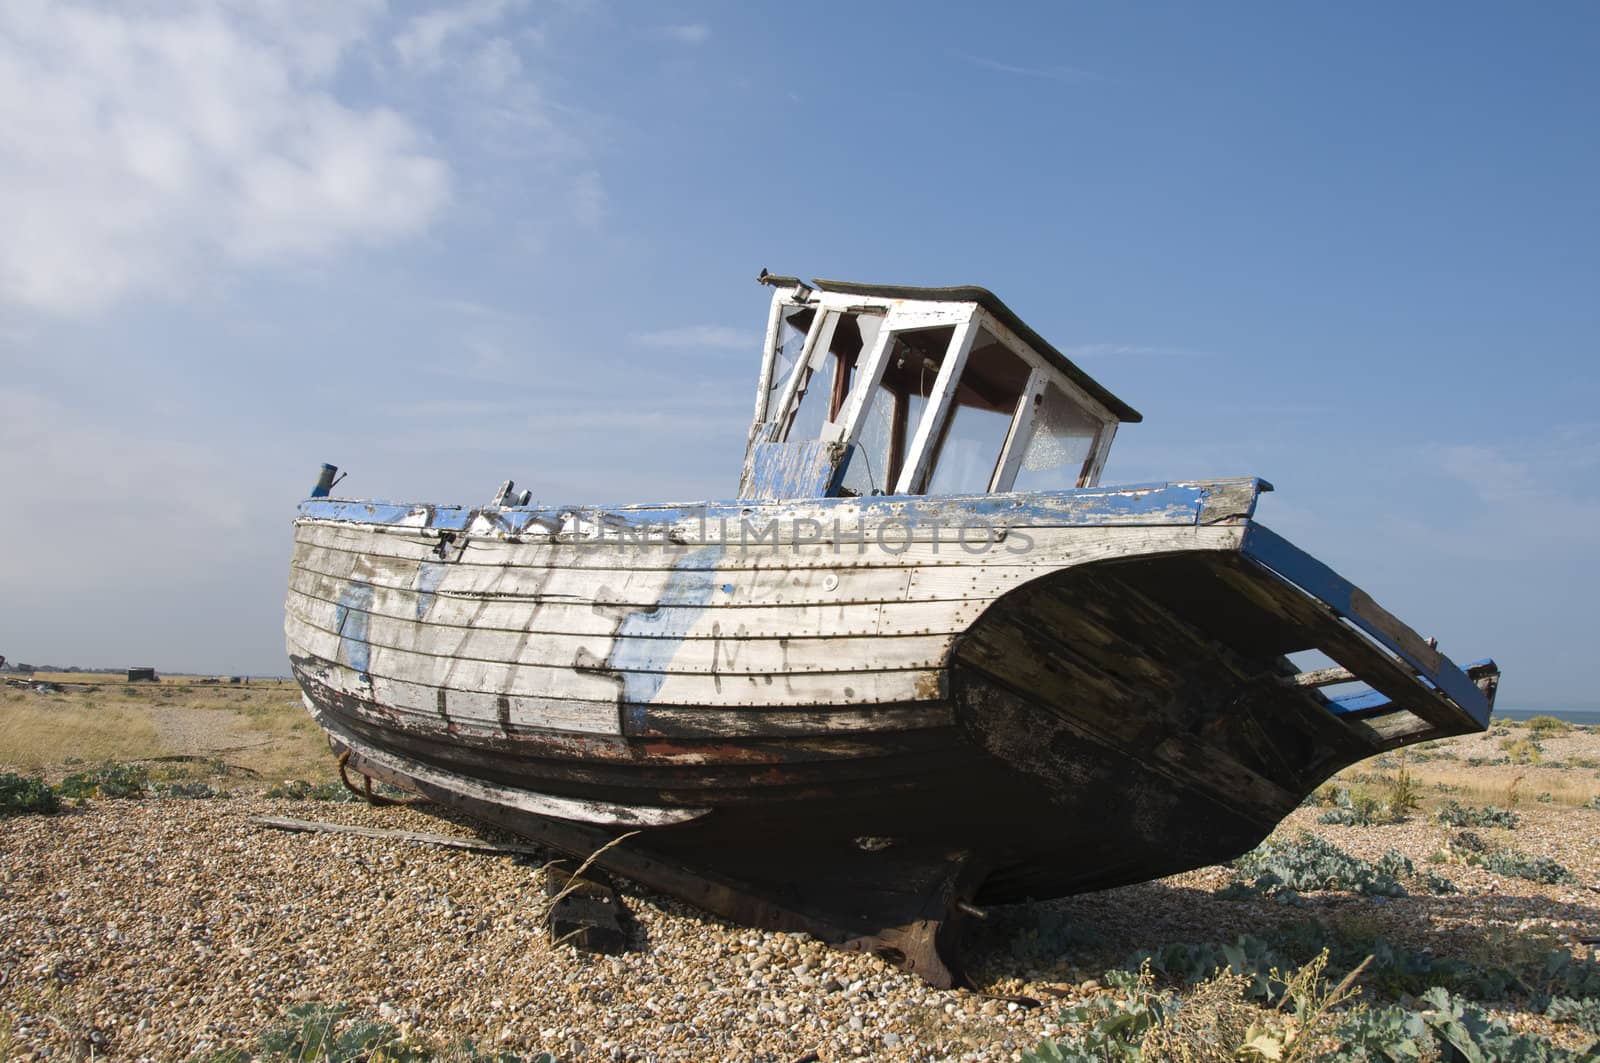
[{"x": 923, "y": 663}]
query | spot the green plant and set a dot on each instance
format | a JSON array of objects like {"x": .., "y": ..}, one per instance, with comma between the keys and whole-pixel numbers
[
  {"x": 326, "y": 1034},
  {"x": 1284, "y": 869},
  {"x": 1584, "y": 1014},
  {"x": 108, "y": 780},
  {"x": 1453, "y": 814},
  {"x": 26, "y": 793},
  {"x": 1523, "y": 750},
  {"x": 1312, "y": 1020},
  {"x": 1109, "y": 1028},
  {"x": 1403, "y": 793},
  {"x": 194, "y": 790},
  {"x": 1443, "y": 1027},
  {"x": 1520, "y": 865},
  {"x": 1548, "y": 725}
]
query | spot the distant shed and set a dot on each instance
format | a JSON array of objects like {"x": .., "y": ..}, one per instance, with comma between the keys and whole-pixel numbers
[{"x": 141, "y": 675}]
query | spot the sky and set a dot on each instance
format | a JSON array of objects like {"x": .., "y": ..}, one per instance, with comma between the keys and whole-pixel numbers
[{"x": 1352, "y": 249}]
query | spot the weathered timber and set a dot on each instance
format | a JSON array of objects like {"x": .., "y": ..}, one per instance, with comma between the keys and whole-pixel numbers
[
  {"x": 447, "y": 841},
  {"x": 584, "y": 912}
]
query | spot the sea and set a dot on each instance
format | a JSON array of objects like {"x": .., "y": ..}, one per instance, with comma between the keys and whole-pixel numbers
[{"x": 1586, "y": 717}]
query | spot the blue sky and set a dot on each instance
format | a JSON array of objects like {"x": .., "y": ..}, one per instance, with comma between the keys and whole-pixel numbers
[{"x": 1350, "y": 249}]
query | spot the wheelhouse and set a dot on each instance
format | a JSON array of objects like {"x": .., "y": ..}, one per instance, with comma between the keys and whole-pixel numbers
[{"x": 876, "y": 390}]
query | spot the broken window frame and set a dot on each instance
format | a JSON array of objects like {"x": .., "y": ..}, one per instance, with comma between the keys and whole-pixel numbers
[{"x": 848, "y": 417}]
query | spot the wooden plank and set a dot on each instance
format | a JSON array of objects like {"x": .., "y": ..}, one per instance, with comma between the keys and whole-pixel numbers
[
  {"x": 447, "y": 841},
  {"x": 566, "y": 617},
  {"x": 769, "y": 358},
  {"x": 782, "y": 580},
  {"x": 568, "y": 688},
  {"x": 718, "y": 654},
  {"x": 1020, "y": 435},
  {"x": 584, "y": 912},
  {"x": 699, "y": 523},
  {"x": 1337, "y": 595},
  {"x": 1323, "y": 629},
  {"x": 607, "y": 813},
  {"x": 847, "y": 428},
  {"x": 918, "y": 460},
  {"x": 777, "y": 419}
]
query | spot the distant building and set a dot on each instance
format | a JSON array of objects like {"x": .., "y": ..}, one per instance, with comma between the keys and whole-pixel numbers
[{"x": 141, "y": 675}]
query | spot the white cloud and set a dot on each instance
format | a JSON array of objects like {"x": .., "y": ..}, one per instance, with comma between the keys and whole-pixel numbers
[
  {"x": 702, "y": 337},
  {"x": 142, "y": 146},
  {"x": 427, "y": 37},
  {"x": 691, "y": 33}
]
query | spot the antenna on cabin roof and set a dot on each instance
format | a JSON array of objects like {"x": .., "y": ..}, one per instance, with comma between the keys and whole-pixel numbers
[{"x": 774, "y": 280}]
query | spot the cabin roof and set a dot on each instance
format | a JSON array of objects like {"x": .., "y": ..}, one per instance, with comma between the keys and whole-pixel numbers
[{"x": 970, "y": 293}]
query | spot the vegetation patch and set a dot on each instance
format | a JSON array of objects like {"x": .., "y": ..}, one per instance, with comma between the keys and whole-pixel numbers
[
  {"x": 21, "y": 794},
  {"x": 1584, "y": 1014},
  {"x": 108, "y": 780},
  {"x": 1285, "y": 869},
  {"x": 1454, "y": 814},
  {"x": 1548, "y": 725},
  {"x": 1313, "y": 1020},
  {"x": 1518, "y": 864},
  {"x": 1524, "y": 965},
  {"x": 194, "y": 791},
  {"x": 328, "y": 1035},
  {"x": 1522, "y": 750}
]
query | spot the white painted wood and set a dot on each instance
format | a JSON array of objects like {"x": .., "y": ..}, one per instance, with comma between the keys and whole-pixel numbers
[
  {"x": 777, "y": 417},
  {"x": 614, "y": 686},
  {"x": 711, "y": 653},
  {"x": 906, "y": 315},
  {"x": 918, "y": 455},
  {"x": 780, "y": 576},
  {"x": 769, "y": 358},
  {"x": 819, "y": 341},
  {"x": 1021, "y": 432},
  {"x": 584, "y": 668},
  {"x": 869, "y": 372},
  {"x": 561, "y": 617},
  {"x": 1102, "y": 449}
]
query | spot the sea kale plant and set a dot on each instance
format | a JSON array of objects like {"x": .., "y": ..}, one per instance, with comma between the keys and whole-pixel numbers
[
  {"x": 1283, "y": 869},
  {"x": 1454, "y": 814}
]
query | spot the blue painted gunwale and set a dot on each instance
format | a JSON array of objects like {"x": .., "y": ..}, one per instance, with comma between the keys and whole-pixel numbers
[{"x": 1135, "y": 504}]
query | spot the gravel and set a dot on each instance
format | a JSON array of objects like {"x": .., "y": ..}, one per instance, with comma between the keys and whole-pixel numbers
[{"x": 158, "y": 928}]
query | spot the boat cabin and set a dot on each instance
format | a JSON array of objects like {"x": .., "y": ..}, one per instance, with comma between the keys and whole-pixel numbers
[{"x": 871, "y": 389}]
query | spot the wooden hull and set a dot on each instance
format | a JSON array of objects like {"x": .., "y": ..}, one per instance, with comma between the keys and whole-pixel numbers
[{"x": 856, "y": 743}]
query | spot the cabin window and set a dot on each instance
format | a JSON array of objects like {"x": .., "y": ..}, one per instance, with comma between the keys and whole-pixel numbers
[
  {"x": 791, "y": 341},
  {"x": 890, "y": 420},
  {"x": 1061, "y": 445},
  {"x": 981, "y": 411},
  {"x": 825, "y": 387}
]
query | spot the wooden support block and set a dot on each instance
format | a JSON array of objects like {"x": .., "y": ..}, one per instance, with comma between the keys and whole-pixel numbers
[{"x": 584, "y": 912}]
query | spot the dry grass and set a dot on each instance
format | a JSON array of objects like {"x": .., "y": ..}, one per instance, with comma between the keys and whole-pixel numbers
[
  {"x": 1566, "y": 772},
  {"x": 260, "y": 729},
  {"x": 38, "y": 732}
]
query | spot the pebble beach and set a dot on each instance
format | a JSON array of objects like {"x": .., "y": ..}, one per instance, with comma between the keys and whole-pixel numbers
[{"x": 167, "y": 928}]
